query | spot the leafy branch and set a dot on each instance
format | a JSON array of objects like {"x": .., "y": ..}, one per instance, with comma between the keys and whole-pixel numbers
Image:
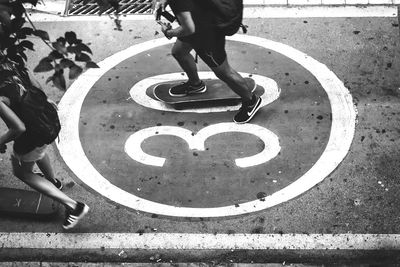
[{"x": 67, "y": 52}]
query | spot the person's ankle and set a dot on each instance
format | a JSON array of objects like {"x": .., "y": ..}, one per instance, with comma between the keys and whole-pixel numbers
[
  {"x": 249, "y": 101},
  {"x": 195, "y": 83}
]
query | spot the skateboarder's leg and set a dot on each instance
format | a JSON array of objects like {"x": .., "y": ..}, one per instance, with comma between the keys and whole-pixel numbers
[
  {"x": 214, "y": 55},
  {"x": 250, "y": 102},
  {"x": 181, "y": 52},
  {"x": 74, "y": 210},
  {"x": 234, "y": 80},
  {"x": 24, "y": 171},
  {"x": 45, "y": 167}
]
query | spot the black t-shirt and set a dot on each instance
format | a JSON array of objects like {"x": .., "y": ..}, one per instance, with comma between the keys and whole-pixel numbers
[{"x": 199, "y": 11}]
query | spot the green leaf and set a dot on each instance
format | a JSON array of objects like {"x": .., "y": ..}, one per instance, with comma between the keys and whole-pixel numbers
[
  {"x": 26, "y": 31},
  {"x": 70, "y": 37},
  {"x": 42, "y": 34},
  {"x": 23, "y": 55},
  {"x": 60, "y": 47},
  {"x": 82, "y": 47},
  {"x": 17, "y": 23},
  {"x": 61, "y": 40},
  {"x": 17, "y": 59},
  {"x": 12, "y": 52},
  {"x": 23, "y": 32},
  {"x": 18, "y": 9},
  {"x": 4, "y": 75},
  {"x": 59, "y": 80},
  {"x": 91, "y": 65},
  {"x": 44, "y": 65},
  {"x": 8, "y": 41},
  {"x": 27, "y": 44},
  {"x": 55, "y": 55},
  {"x": 5, "y": 19},
  {"x": 66, "y": 63},
  {"x": 49, "y": 79},
  {"x": 32, "y": 2},
  {"x": 83, "y": 57},
  {"x": 72, "y": 49},
  {"x": 74, "y": 71},
  {"x": 57, "y": 67},
  {"x": 4, "y": 6}
]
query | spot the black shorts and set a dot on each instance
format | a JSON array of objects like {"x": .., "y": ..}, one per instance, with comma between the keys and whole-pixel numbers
[{"x": 209, "y": 46}]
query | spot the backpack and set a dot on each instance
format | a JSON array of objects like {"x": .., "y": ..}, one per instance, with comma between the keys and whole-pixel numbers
[
  {"x": 39, "y": 116},
  {"x": 227, "y": 15}
]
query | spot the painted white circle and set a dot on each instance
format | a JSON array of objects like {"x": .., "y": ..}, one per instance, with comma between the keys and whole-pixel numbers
[{"x": 341, "y": 136}]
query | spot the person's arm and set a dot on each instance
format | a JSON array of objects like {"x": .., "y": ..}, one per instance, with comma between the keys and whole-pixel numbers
[
  {"x": 159, "y": 5},
  {"x": 185, "y": 28},
  {"x": 15, "y": 126}
]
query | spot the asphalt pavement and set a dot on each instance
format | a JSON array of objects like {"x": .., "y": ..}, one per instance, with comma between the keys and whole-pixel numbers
[{"x": 312, "y": 179}]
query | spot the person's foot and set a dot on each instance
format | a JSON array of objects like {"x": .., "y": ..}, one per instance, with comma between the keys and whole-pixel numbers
[
  {"x": 248, "y": 110},
  {"x": 72, "y": 216},
  {"x": 57, "y": 183},
  {"x": 186, "y": 88}
]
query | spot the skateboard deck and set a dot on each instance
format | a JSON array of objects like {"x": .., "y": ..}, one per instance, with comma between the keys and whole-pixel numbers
[
  {"x": 217, "y": 92},
  {"x": 25, "y": 202}
]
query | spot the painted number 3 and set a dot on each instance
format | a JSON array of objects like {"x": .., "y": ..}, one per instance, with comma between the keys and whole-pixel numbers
[{"x": 197, "y": 141}]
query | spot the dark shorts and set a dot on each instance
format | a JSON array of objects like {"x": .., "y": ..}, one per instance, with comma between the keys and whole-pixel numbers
[{"x": 209, "y": 46}]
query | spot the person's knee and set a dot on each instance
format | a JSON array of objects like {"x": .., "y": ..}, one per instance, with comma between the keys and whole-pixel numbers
[
  {"x": 17, "y": 173},
  {"x": 16, "y": 167},
  {"x": 178, "y": 53},
  {"x": 21, "y": 170},
  {"x": 179, "y": 50},
  {"x": 20, "y": 173},
  {"x": 223, "y": 73}
]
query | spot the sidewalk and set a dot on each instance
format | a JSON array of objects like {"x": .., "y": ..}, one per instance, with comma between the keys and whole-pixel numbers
[
  {"x": 57, "y": 7},
  {"x": 82, "y": 264}
]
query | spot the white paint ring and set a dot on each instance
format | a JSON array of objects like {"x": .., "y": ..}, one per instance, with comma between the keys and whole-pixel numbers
[{"x": 342, "y": 132}]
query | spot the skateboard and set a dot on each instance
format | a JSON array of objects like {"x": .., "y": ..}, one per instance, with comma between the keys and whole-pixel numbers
[
  {"x": 26, "y": 203},
  {"x": 217, "y": 93}
]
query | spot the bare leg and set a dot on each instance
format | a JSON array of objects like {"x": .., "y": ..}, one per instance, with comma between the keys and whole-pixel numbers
[
  {"x": 45, "y": 166},
  {"x": 181, "y": 52},
  {"x": 23, "y": 170},
  {"x": 234, "y": 80}
]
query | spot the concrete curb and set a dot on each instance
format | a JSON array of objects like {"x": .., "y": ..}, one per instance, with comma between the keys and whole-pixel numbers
[{"x": 170, "y": 247}]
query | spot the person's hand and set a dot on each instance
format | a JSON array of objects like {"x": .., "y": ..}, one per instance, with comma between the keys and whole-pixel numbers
[
  {"x": 165, "y": 27},
  {"x": 159, "y": 7},
  {"x": 3, "y": 148}
]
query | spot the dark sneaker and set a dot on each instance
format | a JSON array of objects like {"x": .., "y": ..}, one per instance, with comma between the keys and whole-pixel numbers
[
  {"x": 248, "y": 110},
  {"x": 72, "y": 217},
  {"x": 186, "y": 88},
  {"x": 57, "y": 183}
]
